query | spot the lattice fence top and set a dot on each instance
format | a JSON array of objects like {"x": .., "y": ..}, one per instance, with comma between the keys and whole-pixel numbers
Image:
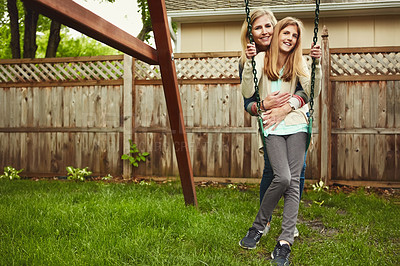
[
  {"x": 365, "y": 64},
  {"x": 344, "y": 62},
  {"x": 56, "y": 71}
]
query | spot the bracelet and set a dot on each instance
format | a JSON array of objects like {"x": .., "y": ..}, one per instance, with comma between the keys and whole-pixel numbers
[{"x": 262, "y": 103}]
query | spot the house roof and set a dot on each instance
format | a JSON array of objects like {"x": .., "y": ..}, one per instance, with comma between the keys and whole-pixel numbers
[
  {"x": 233, "y": 10},
  {"x": 218, "y": 4}
]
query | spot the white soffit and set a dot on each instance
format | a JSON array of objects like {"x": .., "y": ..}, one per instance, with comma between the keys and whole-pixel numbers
[{"x": 302, "y": 11}]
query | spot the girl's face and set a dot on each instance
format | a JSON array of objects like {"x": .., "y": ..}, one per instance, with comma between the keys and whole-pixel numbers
[
  {"x": 262, "y": 31},
  {"x": 288, "y": 38}
]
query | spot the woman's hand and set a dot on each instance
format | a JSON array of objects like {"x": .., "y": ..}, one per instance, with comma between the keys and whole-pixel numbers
[
  {"x": 315, "y": 51},
  {"x": 275, "y": 100},
  {"x": 274, "y": 116},
  {"x": 251, "y": 50}
]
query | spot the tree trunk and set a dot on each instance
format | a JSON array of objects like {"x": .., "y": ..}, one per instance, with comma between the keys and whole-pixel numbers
[
  {"x": 31, "y": 19},
  {"x": 54, "y": 39},
  {"x": 144, "y": 31},
  {"x": 14, "y": 28}
]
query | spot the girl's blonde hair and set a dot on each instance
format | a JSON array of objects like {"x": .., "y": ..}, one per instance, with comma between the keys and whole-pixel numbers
[
  {"x": 244, "y": 35},
  {"x": 293, "y": 64}
]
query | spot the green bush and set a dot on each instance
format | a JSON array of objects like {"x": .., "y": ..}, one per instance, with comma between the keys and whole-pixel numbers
[
  {"x": 77, "y": 173},
  {"x": 11, "y": 173}
]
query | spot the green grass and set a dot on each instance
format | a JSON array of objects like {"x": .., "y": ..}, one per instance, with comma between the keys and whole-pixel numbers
[{"x": 95, "y": 223}]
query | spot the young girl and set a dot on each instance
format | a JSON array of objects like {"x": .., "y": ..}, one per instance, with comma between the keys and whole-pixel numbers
[
  {"x": 277, "y": 104},
  {"x": 279, "y": 69}
]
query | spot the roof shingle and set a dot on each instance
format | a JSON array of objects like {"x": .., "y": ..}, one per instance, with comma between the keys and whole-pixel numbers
[{"x": 175, "y": 5}]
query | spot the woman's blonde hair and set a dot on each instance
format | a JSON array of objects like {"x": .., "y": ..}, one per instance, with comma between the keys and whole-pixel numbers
[
  {"x": 244, "y": 35},
  {"x": 293, "y": 64}
]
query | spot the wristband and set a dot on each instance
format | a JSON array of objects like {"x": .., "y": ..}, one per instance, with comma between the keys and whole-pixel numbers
[{"x": 262, "y": 103}]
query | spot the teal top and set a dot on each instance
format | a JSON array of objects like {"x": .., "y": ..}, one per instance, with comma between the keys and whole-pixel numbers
[{"x": 282, "y": 128}]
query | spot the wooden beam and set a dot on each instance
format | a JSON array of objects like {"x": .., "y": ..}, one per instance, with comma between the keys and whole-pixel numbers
[
  {"x": 357, "y": 50},
  {"x": 365, "y": 78},
  {"x": 363, "y": 183},
  {"x": 128, "y": 113},
  {"x": 325, "y": 125},
  {"x": 170, "y": 82},
  {"x": 77, "y": 17},
  {"x": 62, "y": 59}
]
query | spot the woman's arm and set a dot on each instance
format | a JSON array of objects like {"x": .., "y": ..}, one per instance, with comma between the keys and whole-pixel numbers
[{"x": 247, "y": 83}]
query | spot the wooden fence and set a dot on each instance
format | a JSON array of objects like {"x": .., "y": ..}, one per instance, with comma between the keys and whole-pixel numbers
[
  {"x": 82, "y": 112},
  {"x": 365, "y": 116}
]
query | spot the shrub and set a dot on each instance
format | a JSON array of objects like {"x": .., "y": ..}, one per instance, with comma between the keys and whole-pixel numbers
[
  {"x": 77, "y": 173},
  {"x": 11, "y": 173}
]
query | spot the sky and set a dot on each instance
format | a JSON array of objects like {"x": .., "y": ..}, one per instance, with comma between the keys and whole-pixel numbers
[{"x": 122, "y": 13}]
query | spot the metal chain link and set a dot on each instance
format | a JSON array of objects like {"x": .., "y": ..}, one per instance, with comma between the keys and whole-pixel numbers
[
  {"x": 315, "y": 39},
  {"x": 253, "y": 63}
]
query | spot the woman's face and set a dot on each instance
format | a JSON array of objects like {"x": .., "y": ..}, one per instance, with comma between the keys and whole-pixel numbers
[
  {"x": 288, "y": 38},
  {"x": 262, "y": 31}
]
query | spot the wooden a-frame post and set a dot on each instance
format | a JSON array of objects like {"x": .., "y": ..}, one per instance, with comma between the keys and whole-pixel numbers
[{"x": 75, "y": 16}]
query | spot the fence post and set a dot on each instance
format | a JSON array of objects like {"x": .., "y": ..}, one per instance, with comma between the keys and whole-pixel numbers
[
  {"x": 325, "y": 112},
  {"x": 127, "y": 113}
]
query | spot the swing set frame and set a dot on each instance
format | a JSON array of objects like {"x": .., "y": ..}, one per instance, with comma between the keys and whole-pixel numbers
[{"x": 79, "y": 18}]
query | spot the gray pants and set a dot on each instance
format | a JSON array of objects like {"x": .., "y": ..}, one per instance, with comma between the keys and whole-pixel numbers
[{"x": 286, "y": 154}]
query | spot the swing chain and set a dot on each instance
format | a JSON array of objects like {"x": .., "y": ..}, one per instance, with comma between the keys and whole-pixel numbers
[
  {"x": 315, "y": 39},
  {"x": 253, "y": 63}
]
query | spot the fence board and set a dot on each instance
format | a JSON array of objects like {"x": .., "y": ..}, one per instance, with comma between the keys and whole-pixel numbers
[
  {"x": 381, "y": 123},
  {"x": 365, "y": 156},
  {"x": 366, "y": 106},
  {"x": 312, "y": 167},
  {"x": 397, "y": 104},
  {"x": 397, "y": 157},
  {"x": 389, "y": 173}
]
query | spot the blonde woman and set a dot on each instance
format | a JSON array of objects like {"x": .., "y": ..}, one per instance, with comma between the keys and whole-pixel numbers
[{"x": 280, "y": 68}]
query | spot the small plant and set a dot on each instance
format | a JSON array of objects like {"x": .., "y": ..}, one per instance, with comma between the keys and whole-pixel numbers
[
  {"x": 134, "y": 155},
  {"x": 11, "y": 173},
  {"x": 77, "y": 173},
  {"x": 319, "y": 187},
  {"x": 144, "y": 183},
  {"x": 231, "y": 186},
  {"x": 107, "y": 177}
]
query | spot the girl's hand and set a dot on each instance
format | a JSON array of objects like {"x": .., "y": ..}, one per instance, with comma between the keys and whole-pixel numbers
[
  {"x": 276, "y": 99},
  {"x": 315, "y": 51},
  {"x": 274, "y": 116},
  {"x": 251, "y": 50}
]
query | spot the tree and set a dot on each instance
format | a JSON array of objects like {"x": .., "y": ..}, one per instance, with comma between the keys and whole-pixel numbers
[
  {"x": 31, "y": 20},
  {"x": 14, "y": 28},
  {"x": 144, "y": 34},
  {"x": 54, "y": 39}
]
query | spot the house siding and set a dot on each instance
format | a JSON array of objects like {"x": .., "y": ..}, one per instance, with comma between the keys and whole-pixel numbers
[{"x": 362, "y": 31}]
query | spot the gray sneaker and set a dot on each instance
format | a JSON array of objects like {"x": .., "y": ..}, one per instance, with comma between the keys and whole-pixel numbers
[
  {"x": 280, "y": 255},
  {"x": 296, "y": 232},
  {"x": 251, "y": 239}
]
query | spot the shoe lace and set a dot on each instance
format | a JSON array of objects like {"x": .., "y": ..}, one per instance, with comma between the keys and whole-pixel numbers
[
  {"x": 283, "y": 251},
  {"x": 254, "y": 233}
]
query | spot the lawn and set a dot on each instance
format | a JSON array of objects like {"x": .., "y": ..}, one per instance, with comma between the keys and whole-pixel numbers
[{"x": 51, "y": 222}]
